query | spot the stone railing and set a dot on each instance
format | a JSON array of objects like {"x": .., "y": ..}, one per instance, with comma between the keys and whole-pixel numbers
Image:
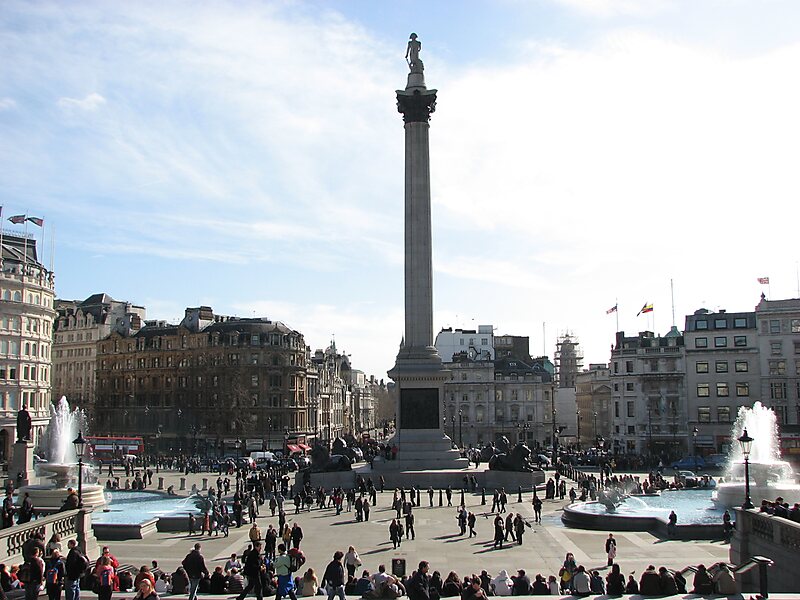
[
  {"x": 72, "y": 524},
  {"x": 760, "y": 534}
]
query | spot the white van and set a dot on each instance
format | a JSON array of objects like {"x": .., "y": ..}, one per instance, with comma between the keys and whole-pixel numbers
[{"x": 262, "y": 457}]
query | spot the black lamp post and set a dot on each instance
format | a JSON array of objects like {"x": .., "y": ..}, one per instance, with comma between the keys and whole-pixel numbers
[
  {"x": 80, "y": 447},
  {"x": 578, "y": 419},
  {"x": 460, "y": 421},
  {"x": 595, "y": 424},
  {"x": 453, "y": 419},
  {"x": 555, "y": 436},
  {"x": 747, "y": 443}
]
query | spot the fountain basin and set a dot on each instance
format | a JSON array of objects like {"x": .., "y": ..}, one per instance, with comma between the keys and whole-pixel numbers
[{"x": 50, "y": 499}]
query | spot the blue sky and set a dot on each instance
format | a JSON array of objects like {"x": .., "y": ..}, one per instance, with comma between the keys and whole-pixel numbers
[{"x": 249, "y": 156}]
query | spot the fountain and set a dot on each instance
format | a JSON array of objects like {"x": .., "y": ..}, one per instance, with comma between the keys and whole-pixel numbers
[
  {"x": 62, "y": 463},
  {"x": 770, "y": 477}
]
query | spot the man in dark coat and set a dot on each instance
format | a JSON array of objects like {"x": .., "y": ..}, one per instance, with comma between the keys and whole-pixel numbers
[
  {"x": 334, "y": 576},
  {"x": 252, "y": 570},
  {"x": 418, "y": 587},
  {"x": 195, "y": 566}
]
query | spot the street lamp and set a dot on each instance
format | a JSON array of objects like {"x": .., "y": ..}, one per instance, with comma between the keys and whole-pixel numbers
[
  {"x": 80, "y": 447},
  {"x": 555, "y": 436},
  {"x": 453, "y": 418},
  {"x": 460, "y": 421},
  {"x": 578, "y": 419},
  {"x": 695, "y": 431},
  {"x": 747, "y": 443},
  {"x": 595, "y": 424}
]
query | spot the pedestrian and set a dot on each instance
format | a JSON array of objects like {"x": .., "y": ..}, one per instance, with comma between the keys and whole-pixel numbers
[
  {"x": 352, "y": 561},
  {"x": 253, "y": 567},
  {"x": 419, "y": 586},
  {"x": 195, "y": 566},
  {"x": 430, "y": 496},
  {"x": 509, "y": 525},
  {"x": 672, "y": 524},
  {"x": 54, "y": 575},
  {"x": 471, "y": 524},
  {"x": 537, "y": 508},
  {"x": 283, "y": 569},
  {"x": 394, "y": 535},
  {"x": 449, "y": 493},
  {"x": 74, "y": 568},
  {"x": 410, "y": 526},
  {"x": 611, "y": 548},
  {"x": 333, "y": 578},
  {"x": 519, "y": 527},
  {"x": 105, "y": 579},
  {"x": 498, "y": 532}
]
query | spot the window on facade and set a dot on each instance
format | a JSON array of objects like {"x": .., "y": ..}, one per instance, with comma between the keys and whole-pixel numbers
[
  {"x": 724, "y": 414},
  {"x": 777, "y": 367},
  {"x": 774, "y": 326},
  {"x": 616, "y": 367},
  {"x": 740, "y": 340},
  {"x": 631, "y": 409},
  {"x": 461, "y": 342},
  {"x": 629, "y": 387},
  {"x": 701, "y": 324},
  {"x": 484, "y": 341},
  {"x": 742, "y": 389},
  {"x": 720, "y": 323},
  {"x": 254, "y": 380},
  {"x": 254, "y": 359},
  {"x": 479, "y": 413},
  {"x": 780, "y": 414},
  {"x": 701, "y": 342},
  {"x": 631, "y": 431},
  {"x": 722, "y": 390},
  {"x": 498, "y": 415},
  {"x": 704, "y": 414},
  {"x": 616, "y": 409},
  {"x": 720, "y": 341},
  {"x": 629, "y": 366},
  {"x": 776, "y": 348},
  {"x": 777, "y": 390},
  {"x": 702, "y": 390},
  {"x": 740, "y": 323},
  {"x": 721, "y": 366},
  {"x": 255, "y": 340},
  {"x": 741, "y": 366}
]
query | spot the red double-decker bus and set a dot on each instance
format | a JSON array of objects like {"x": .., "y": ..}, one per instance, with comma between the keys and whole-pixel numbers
[{"x": 113, "y": 447}]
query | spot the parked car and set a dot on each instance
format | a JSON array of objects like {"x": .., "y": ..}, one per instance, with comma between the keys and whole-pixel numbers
[
  {"x": 716, "y": 461},
  {"x": 545, "y": 462},
  {"x": 695, "y": 463}
]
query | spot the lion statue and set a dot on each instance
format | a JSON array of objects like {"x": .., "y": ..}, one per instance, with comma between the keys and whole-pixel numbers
[{"x": 518, "y": 458}]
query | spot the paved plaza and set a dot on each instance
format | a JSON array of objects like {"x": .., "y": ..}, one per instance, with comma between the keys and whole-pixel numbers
[{"x": 437, "y": 540}]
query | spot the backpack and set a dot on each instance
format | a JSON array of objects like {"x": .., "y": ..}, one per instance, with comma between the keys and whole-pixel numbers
[
  {"x": 52, "y": 576},
  {"x": 296, "y": 560},
  {"x": 24, "y": 573},
  {"x": 105, "y": 578}
]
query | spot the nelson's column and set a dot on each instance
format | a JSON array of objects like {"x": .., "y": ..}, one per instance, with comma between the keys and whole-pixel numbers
[{"x": 418, "y": 372}]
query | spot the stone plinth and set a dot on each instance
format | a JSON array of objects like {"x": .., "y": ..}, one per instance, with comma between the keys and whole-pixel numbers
[{"x": 22, "y": 464}]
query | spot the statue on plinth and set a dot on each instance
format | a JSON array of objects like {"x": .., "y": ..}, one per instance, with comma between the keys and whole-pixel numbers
[
  {"x": 412, "y": 54},
  {"x": 24, "y": 424}
]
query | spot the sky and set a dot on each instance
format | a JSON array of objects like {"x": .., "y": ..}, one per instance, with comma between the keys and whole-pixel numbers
[{"x": 248, "y": 156}]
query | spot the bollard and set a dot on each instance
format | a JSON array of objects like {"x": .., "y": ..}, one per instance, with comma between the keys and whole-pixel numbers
[
  {"x": 183, "y": 484},
  {"x": 519, "y": 493},
  {"x": 161, "y": 483},
  {"x": 440, "y": 496},
  {"x": 462, "y": 498},
  {"x": 205, "y": 483},
  {"x": 483, "y": 496}
]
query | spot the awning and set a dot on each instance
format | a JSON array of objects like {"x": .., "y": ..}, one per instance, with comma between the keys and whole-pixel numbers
[
  {"x": 304, "y": 447},
  {"x": 293, "y": 448}
]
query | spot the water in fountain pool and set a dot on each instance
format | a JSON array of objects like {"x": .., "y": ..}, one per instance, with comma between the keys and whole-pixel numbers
[{"x": 128, "y": 507}]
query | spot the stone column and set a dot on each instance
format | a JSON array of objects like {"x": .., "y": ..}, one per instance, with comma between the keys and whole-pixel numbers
[{"x": 20, "y": 470}]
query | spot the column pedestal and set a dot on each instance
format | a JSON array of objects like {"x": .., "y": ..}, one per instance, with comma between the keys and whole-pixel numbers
[{"x": 20, "y": 470}]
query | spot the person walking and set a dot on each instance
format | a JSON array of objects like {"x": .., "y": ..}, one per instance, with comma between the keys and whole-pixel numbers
[
  {"x": 471, "y": 524},
  {"x": 105, "y": 578},
  {"x": 195, "y": 566},
  {"x": 611, "y": 548},
  {"x": 283, "y": 569},
  {"x": 419, "y": 585},
  {"x": 498, "y": 532},
  {"x": 410, "y": 526},
  {"x": 510, "y": 528},
  {"x": 333, "y": 578},
  {"x": 537, "y": 508},
  {"x": 35, "y": 567},
  {"x": 54, "y": 575},
  {"x": 394, "y": 533},
  {"x": 519, "y": 527},
  {"x": 74, "y": 568},
  {"x": 352, "y": 561},
  {"x": 253, "y": 567}
]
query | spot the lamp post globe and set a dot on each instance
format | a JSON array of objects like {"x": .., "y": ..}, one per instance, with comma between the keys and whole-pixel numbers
[{"x": 746, "y": 443}]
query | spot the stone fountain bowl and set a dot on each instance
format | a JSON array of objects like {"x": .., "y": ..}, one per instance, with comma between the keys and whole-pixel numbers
[{"x": 61, "y": 477}]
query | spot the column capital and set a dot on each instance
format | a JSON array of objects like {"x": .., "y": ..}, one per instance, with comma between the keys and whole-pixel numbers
[{"x": 416, "y": 105}]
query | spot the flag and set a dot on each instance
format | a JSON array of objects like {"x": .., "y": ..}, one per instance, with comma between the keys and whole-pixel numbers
[
  {"x": 612, "y": 309},
  {"x": 645, "y": 309},
  {"x": 17, "y": 219},
  {"x": 763, "y": 280},
  {"x": 36, "y": 221}
]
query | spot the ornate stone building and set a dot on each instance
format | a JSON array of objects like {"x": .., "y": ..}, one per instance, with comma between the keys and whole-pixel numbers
[
  {"x": 78, "y": 327},
  {"x": 209, "y": 385},
  {"x": 26, "y": 321},
  {"x": 333, "y": 407},
  {"x": 593, "y": 400}
]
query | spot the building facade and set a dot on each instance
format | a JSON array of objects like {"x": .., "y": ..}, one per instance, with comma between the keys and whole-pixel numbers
[
  {"x": 593, "y": 400},
  {"x": 333, "y": 403},
  {"x": 78, "y": 327},
  {"x": 722, "y": 375},
  {"x": 209, "y": 385},
  {"x": 26, "y": 322},
  {"x": 648, "y": 392},
  {"x": 477, "y": 345}
]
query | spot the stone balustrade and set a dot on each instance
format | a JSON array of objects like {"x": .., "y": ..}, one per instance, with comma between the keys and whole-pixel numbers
[
  {"x": 760, "y": 534},
  {"x": 72, "y": 524}
]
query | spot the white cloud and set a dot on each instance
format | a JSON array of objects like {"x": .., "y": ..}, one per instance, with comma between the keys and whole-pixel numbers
[
  {"x": 90, "y": 103},
  {"x": 7, "y": 103},
  {"x": 609, "y": 8}
]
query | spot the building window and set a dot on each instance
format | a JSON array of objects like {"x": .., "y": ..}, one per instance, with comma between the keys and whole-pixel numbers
[
  {"x": 795, "y": 325},
  {"x": 701, "y": 342},
  {"x": 740, "y": 323},
  {"x": 629, "y": 387},
  {"x": 479, "y": 412},
  {"x": 724, "y": 414},
  {"x": 484, "y": 342},
  {"x": 720, "y": 341},
  {"x": 776, "y": 348},
  {"x": 742, "y": 389},
  {"x": 722, "y": 390},
  {"x": 462, "y": 341},
  {"x": 741, "y": 366},
  {"x": 253, "y": 380},
  {"x": 701, "y": 324},
  {"x": 631, "y": 410},
  {"x": 780, "y": 413},
  {"x": 720, "y": 323},
  {"x": 631, "y": 431},
  {"x": 703, "y": 414},
  {"x": 774, "y": 326},
  {"x": 616, "y": 367},
  {"x": 629, "y": 366},
  {"x": 777, "y": 391},
  {"x": 701, "y": 367},
  {"x": 721, "y": 366},
  {"x": 740, "y": 340},
  {"x": 777, "y": 367},
  {"x": 616, "y": 409},
  {"x": 702, "y": 390}
]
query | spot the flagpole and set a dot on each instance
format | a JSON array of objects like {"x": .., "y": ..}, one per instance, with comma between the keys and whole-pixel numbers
[
  {"x": 25, "y": 249},
  {"x": 52, "y": 248},
  {"x": 1, "y": 238},
  {"x": 672, "y": 294},
  {"x": 616, "y": 303}
]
